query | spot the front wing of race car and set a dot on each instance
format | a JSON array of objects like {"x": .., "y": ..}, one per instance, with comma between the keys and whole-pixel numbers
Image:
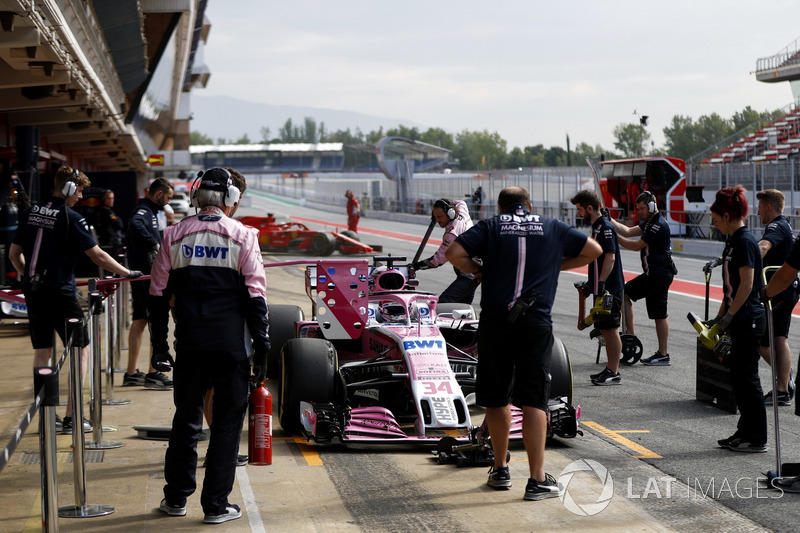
[{"x": 325, "y": 423}]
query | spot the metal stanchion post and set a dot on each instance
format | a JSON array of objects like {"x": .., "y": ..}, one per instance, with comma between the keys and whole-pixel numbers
[
  {"x": 96, "y": 405},
  {"x": 81, "y": 509},
  {"x": 45, "y": 382},
  {"x": 118, "y": 329},
  {"x": 111, "y": 349}
]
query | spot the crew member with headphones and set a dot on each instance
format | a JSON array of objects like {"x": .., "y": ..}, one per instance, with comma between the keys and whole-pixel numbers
[
  {"x": 209, "y": 268},
  {"x": 658, "y": 271},
  {"x": 45, "y": 249},
  {"x": 454, "y": 218}
]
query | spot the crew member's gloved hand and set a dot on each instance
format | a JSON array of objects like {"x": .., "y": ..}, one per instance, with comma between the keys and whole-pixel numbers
[
  {"x": 162, "y": 362},
  {"x": 259, "y": 367},
  {"x": 134, "y": 274},
  {"x": 726, "y": 320},
  {"x": 601, "y": 288},
  {"x": 712, "y": 264},
  {"x": 151, "y": 255},
  {"x": 605, "y": 213},
  {"x": 420, "y": 265},
  {"x": 713, "y": 322}
]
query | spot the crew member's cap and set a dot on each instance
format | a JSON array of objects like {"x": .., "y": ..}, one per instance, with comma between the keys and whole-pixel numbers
[{"x": 214, "y": 179}]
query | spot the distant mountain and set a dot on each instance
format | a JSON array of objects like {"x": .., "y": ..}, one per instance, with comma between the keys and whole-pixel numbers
[{"x": 223, "y": 116}]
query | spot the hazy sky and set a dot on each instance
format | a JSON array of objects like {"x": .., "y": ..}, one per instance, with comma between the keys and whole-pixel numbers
[{"x": 532, "y": 71}]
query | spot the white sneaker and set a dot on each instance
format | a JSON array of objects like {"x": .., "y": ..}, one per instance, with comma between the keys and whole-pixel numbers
[{"x": 231, "y": 513}]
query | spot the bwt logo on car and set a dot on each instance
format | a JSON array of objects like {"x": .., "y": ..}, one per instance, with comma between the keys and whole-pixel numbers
[
  {"x": 424, "y": 343},
  {"x": 211, "y": 252}
]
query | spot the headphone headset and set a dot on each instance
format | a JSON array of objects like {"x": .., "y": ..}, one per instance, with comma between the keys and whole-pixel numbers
[
  {"x": 651, "y": 202},
  {"x": 445, "y": 206},
  {"x": 71, "y": 185},
  {"x": 210, "y": 182}
]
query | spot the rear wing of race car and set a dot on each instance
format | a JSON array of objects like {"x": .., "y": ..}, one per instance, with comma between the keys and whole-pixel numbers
[{"x": 339, "y": 289}]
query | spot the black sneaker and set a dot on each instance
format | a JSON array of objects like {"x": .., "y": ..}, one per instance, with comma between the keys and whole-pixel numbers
[
  {"x": 541, "y": 490},
  {"x": 133, "y": 380},
  {"x": 657, "y": 359},
  {"x": 723, "y": 443},
  {"x": 784, "y": 398},
  {"x": 241, "y": 459},
  {"x": 740, "y": 445},
  {"x": 499, "y": 478},
  {"x": 232, "y": 512},
  {"x": 172, "y": 510},
  {"x": 607, "y": 377},
  {"x": 787, "y": 484},
  {"x": 66, "y": 426},
  {"x": 59, "y": 424},
  {"x": 157, "y": 381}
]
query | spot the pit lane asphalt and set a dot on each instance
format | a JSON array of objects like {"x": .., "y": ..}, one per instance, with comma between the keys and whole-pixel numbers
[{"x": 312, "y": 488}]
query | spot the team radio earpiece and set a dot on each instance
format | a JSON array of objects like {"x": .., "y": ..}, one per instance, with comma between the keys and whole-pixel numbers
[
  {"x": 445, "y": 206},
  {"x": 651, "y": 202},
  {"x": 71, "y": 185},
  {"x": 212, "y": 181}
]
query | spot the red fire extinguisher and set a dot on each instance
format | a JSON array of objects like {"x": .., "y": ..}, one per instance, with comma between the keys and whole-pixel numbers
[{"x": 260, "y": 426}]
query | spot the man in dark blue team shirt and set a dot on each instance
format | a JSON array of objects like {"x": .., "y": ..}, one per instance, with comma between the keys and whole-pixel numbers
[
  {"x": 522, "y": 255},
  {"x": 44, "y": 252},
  {"x": 655, "y": 248},
  {"x": 605, "y": 276},
  {"x": 775, "y": 245}
]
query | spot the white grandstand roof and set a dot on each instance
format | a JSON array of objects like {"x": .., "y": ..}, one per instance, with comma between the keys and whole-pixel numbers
[{"x": 284, "y": 147}]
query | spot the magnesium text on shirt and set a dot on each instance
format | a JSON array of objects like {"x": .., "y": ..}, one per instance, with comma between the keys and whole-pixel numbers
[{"x": 521, "y": 225}]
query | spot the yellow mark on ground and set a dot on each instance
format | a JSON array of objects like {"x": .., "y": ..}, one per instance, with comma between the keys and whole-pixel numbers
[
  {"x": 309, "y": 453},
  {"x": 643, "y": 452},
  {"x": 633, "y": 431}
]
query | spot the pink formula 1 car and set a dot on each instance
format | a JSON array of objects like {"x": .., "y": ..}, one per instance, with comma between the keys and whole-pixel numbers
[{"x": 380, "y": 362}]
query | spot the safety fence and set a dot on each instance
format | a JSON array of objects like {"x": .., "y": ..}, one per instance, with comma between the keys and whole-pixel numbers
[
  {"x": 106, "y": 297},
  {"x": 550, "y": 189}
]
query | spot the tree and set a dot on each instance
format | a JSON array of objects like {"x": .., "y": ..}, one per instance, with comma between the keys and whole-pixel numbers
[
  {"x": 266, "y": 134},
  {"x": 555, "y": 156},
  {"x": 309, "y": 132},
  {"x": 631, "y": 139},
  {"x": 438, "y": 137},
  {"x": 196, "y": 138},
  {"x": 712, "y": 129},
  {"x": 404, "y": 131},
  {"x": 244, "y": 139},
  {"x": 480, "y": 150},
  {"x": 681, "y": 138}
]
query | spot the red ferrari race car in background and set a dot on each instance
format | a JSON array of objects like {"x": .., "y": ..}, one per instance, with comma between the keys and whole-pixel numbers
[
  {"x": 296, "y": 237},
  {"x": 381, "y": 362}
]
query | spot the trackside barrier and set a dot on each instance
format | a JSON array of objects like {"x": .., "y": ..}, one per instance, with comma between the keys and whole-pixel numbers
[
  {"x": 95, "y": 403},
  {"x": 81, "y": 509},
  {"x": 111, "y": 338}
]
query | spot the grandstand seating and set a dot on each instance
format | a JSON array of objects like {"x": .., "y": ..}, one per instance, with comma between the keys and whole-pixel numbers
[{"x": 776, "y": 141}]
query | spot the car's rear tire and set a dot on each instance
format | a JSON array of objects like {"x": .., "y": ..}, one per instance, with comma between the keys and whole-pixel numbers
[
  {"x": 282, "y": 320},
  {"x": 307, "y": 374},
  {"x": 560, "y": 372},
  {"x": 323, "y": 244}
]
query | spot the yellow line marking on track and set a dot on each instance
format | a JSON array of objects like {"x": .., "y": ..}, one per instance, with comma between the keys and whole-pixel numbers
[
  {"x": 632, "y": 431},
  {"x": 309, "y": 453},
  {"x": 644, "y": 453}
]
